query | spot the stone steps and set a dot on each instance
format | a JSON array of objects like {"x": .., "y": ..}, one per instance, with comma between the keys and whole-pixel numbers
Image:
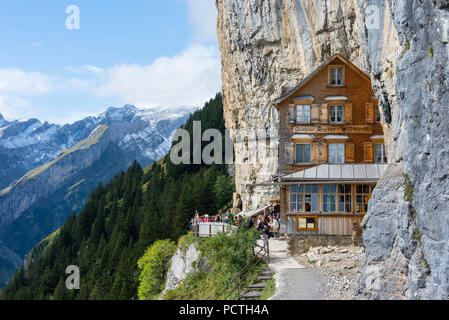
[
  {"x": 250, "y": 295},
  {"x": 266, "y": 272},
  {"x": 253, "y": 291},
  {"x": 259, "y": 285}
]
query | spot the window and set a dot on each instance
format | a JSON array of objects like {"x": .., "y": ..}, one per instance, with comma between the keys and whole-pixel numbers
[
  {"x": 304, "y": 198},
  {"x": 336, "y": 114},
  {"x": 303, "y": 114},
  {"x": 337, "y": 198},
  {"x": 329, "y": 198},
  {"x": 377, "y": 111},
  {"x": 295, "y": 198},
  {"x": 306, "y": 223},
  {"x": 362, "y": 196},
  {"x": 291, "y": 113},
  {"x": 303, "y": 153},
  {"x": 344, "y": 198},
  {"x": 380, "y": 156},
  {"x": 337, "y": 153},
  {"x": 336, "y": 76}
]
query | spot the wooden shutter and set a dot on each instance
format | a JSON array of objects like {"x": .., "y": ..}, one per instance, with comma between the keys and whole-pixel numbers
[
  {"x": 291, "y": 113},
  {"x": 315, "y": 153},
  {"x": 315, "y": 113},
  {"x": 324, "y": 113},
  {"x": 319, "y": 153},
  {"x": 348, "y": 113},
  {"x": 323, "y": 152},
  {"x": 369, "y": 152},
  {"x": 349, "y": 152},
  {"x": 370, "y": 115},
  {"x": 289, "y": 152}
]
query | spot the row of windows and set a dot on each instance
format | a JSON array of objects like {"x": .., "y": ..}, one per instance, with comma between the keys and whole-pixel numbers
[
  {"x": 336, "y": 153},
  {"x": 335, "y": 198},
  {"x": 336, "y": 114}
]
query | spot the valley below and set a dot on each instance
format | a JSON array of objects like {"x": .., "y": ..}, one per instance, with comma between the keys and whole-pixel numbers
[{"x": 49, "y": 170}]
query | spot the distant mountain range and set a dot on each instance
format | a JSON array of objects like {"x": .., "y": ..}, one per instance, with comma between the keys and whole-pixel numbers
[{"x": 48, "y": 170}]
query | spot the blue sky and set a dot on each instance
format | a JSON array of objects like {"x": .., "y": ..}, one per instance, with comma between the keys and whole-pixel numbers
[{"x": 145, "y": 52}]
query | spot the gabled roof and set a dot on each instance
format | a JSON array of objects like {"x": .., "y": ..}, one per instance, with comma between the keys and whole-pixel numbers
[
  {"x": 339, "y": 172},
  {"x": 290, "y": 93}
]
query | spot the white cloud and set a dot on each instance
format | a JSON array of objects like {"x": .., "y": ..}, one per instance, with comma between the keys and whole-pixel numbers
[
  {"x": 13, "y": 107},
  {"x": 13, "y": 80},
  {"x": 85, "y": 69},
  {"x": 202, "y": 15},
  {"x": 186, "y": 79}
]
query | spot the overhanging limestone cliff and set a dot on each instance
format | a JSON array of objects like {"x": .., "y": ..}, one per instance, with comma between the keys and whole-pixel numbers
[{"x": 269, "y": 46}]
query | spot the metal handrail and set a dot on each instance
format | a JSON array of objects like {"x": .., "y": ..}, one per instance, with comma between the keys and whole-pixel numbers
[{"x": 239, "y": 278}]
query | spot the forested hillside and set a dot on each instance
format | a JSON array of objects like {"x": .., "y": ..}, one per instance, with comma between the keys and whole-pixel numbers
[{"x": 119, "y": 221}]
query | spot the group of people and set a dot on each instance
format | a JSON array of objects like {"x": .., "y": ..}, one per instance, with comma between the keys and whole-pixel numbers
[
  {"x": 226, "y": 217},
  {"x": 267, "y": 223}
]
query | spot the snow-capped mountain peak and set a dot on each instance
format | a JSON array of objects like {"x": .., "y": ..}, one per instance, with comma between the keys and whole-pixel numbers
[
  {"x": 144, "y": 134},
  {"x": 3, "y": 121}
]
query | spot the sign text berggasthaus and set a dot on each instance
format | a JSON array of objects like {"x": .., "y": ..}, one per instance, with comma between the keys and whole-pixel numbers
[{"x": 330, "y": 129}]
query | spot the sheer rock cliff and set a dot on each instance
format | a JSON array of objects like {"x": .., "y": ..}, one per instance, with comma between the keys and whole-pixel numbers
[{"x": 269, "y": 46}]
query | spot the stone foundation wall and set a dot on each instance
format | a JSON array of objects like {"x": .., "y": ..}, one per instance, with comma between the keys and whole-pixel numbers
[{"x": 299, "y": 244}]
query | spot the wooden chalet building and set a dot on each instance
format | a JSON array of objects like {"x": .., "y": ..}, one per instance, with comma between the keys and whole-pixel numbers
[{"x": 331, "y": 150}]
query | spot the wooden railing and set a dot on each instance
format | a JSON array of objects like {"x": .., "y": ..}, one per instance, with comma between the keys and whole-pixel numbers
[{"x": 236, "y": 282}]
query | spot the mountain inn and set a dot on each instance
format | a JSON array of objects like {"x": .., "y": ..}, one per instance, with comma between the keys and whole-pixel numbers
[{"x": 331, "y": 150}]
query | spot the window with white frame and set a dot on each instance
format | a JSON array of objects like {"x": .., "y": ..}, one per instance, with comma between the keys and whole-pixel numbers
[
  {"x": 303, "y": 114},
  {"x": 337, "y": 153},
  {"x": 336, "y": 76},
  {"x": 303, "y": 153},
  {"x": 336, "y": 114},
  {"x": 380, "y": 155}
]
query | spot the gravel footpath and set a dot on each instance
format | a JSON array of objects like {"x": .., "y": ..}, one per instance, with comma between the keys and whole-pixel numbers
[
  {"x": 293, "y": 280},
  {"x": 340, "y": 268}
]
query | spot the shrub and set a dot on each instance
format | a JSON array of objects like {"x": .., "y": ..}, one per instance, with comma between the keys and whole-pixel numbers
[
  {"x": 430, "y": 52},
  {"x": 406, "y": 48},
  {"x": 154, "y": 265},
  {"x": 226, "y": 255},
  {"x": 409, "y": 189}
]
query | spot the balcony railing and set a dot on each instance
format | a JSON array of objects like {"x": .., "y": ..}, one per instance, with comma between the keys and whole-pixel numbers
[{"x": 210, "y": 229}]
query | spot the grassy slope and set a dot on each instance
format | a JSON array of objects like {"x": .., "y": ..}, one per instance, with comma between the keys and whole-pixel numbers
[{"x": 226, "y": 256}]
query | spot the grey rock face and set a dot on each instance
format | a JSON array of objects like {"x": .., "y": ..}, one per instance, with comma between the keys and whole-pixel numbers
[
  {"x": 183, "y": 263},
  {"x": 269, "y": 46},
  {"x": 413, "y": 238}
]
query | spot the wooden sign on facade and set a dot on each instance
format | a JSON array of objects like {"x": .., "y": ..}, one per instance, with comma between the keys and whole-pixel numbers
[{"x": 334, "y": 130}]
